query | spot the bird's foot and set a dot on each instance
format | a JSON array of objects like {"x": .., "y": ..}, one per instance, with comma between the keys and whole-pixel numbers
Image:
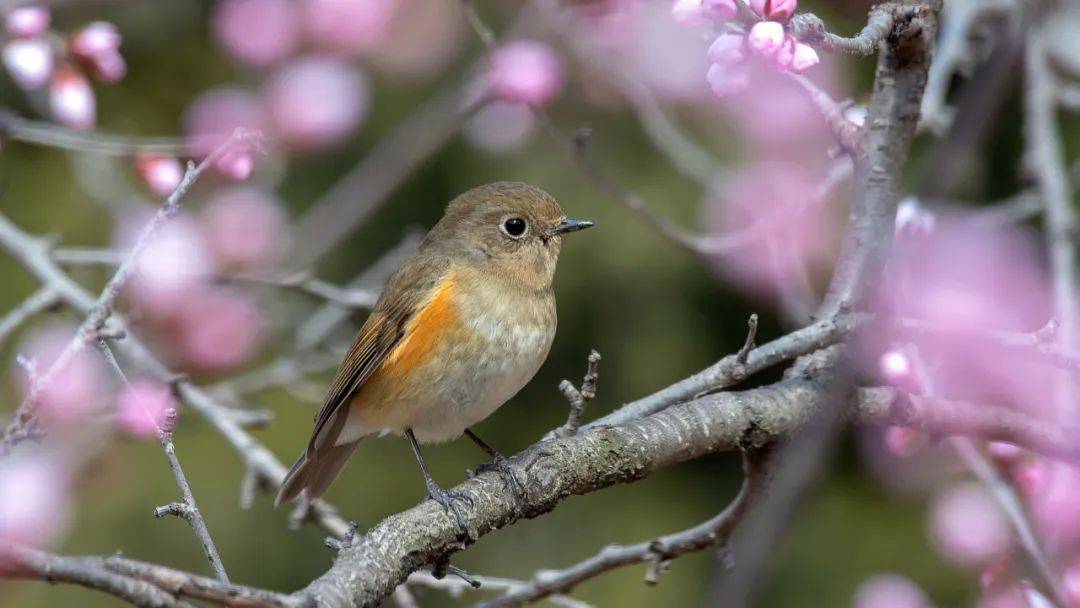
[
  {"x": 449, "y": 501},
  {"x": 501, "y": 465}
]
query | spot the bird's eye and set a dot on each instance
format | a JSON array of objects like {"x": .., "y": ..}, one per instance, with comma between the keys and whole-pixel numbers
[{"x": 514, "y": 227}]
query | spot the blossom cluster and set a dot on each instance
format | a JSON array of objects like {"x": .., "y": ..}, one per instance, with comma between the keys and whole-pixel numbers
[
  {"x": 735, "y": 53},
  {"x": 35, "y": 57}
]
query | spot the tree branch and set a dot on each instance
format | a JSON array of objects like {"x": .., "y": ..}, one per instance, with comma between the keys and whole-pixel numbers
[
  {"x": 39, "y": 301},
  {"x": 657, "y": 552}
]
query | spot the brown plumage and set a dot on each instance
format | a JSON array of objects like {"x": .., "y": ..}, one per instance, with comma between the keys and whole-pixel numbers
[{"x": 460, "y": 327}]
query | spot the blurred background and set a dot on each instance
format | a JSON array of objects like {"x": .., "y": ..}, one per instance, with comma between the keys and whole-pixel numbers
[{"x": 655, "y": 311}]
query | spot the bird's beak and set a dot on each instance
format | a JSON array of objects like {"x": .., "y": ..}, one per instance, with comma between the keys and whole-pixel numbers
[{"x": 572, "y": 226}]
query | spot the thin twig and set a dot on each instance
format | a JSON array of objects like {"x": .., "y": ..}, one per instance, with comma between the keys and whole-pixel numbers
[
  {"x": 303, "y": 281},
  {"x": 810, "y": 29},
  {"x": 101, "y": 309},
  {"x": 39, "y": 301},
  {"x": 657, "y": 552},
  {"x": 578, "y": 399},
  {"x": 751, "y": 335},
  {"x": 56, "y": 136},
  {"x": 188, "y": 510}
]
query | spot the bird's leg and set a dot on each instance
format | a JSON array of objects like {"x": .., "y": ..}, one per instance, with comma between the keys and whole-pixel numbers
[
  {"x": 444, "y": 497},
  {"x": 500, "y": 465}
]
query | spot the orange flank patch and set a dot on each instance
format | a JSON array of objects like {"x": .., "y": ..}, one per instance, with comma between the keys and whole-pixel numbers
[{"x": 430, "y": 325}]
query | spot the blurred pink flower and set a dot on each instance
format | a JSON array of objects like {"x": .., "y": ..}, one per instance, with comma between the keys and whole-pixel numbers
[
  {"x": 689, "y": 12},
  {"x": 97, "y": 38},
  {"x": 1070, "y": 581},
  {"x": 316, "y": 102},
  {"x": 726, "y": 79},
  {"x": 727, "y": 48},
  {"x": 525, "y": 71},
  {"x": 79, "y": 386},
  {"x": 902, "y": 441},
  {"x": 174, "y": 262},
  {"x": 348, "y": 25},
  {"x": 913, "y": 220},
  {"x": 258, "y": 33},
  {"x": 71, "y": 99},
  {"x": 963, "y": 279},
  {"x": 793, "y": 236},
  {"x": 28, "y": 21},
  {"x": 1031, "y": 476},
  {"x": 890, "y": 591},
  {"x": 776, "y": 118},
  {"x": 423, "y": 38},
  {"x": 143, "y": 408},
  {"x": 774, "y": 10},
  {"x": 30, "y": 62},
  {"x": 245, "y": 228},
  {"x": 720, "y": 10},
  {"x": 218, "y": 329},
  {"x": 664, "y": 55},
  {"x": 968, "y": 527},
  {"x": 161, "y": 173},
  {"x": 1007, "y": 598},
  {"x": 1056, "y": 503},
  {"x": 500, "y": 127},
  {"x": 34, "y": 505},
  {"x": 896, "y": 368},
  {"x": 214, "y": 117},
  {"x": 804, "y": 58},
  {"x": 1005, "y": 452}
]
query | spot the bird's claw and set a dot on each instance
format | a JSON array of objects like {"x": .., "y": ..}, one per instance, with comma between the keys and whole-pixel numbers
[{"x": 449, "y": 501}]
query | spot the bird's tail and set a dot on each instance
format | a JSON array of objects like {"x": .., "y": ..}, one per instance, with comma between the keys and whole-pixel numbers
[{"x": 314, "y": 472}]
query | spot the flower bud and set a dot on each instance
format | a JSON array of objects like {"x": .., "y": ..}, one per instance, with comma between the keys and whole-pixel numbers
[
  {"x": 726, "y": 80},
  {"x": 72, "y": 100},
  {"x": 27, "y": 22},
  {"x": 720, "y": 11},
  {"x": 525, "y": 71},
  {"x": 766, "y": 37},
  {"x": 30, "y": 62},
  {"x": 161, "y": 173},
  {"x": 774, "y": 10},
  {"x": 727, "y": 48},
  {"x": 804, "y": 57}
]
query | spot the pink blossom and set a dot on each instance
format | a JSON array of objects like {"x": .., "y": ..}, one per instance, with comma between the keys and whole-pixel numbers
[
  {"x": 663, "y": 55},
  {"x": 500, "y": 127},
  {"x": 1008, "y": 598},
  {"x": 902, "y": 441},
  {"x": 162, "y": 173},
  {"x": 1055, "y": 505},
  {"x": 727, "y": 79},
  {"x": 963, "y": 279},
  {"x": 28, "y": 21},
  {"x": 174, "y": 262},
  {"x": 424, "y": 36},
  {"x": 913, "y": 220},
  {"x": 236, "y": 164},
  {"x": 30, "y": 62},
  {"x": 245, "y": 228},
  {"x": 689, "y": 12},
  {"x": 793, "y": 237},
  {"x": 777, "y": 118},
  {"x": 896, "y": 367},
  {"x": 968, "y": 527},
  {"x": 1005, "y": 452},
  {"x": 804, "y": 58},
  {"x": 890, "y": 591},
  {"x": 34, "y": 505},
  {"x": 720, "y": 11},
  {"x": 348, "y": 25},
  {"x": 258, "y": 33},
  {"x": 143, "y": 408},
  {"x": 71, "y": 99},
  {"x": 525, "y": 71},
  {"x": 75, "y": 389},
  {"x": 1031, "y": 477},
  {"x": 315, "y": 103},
  {"x": 774, "y": 10},
  {"x": 97, "y": 38},
  {"x": 766, "y": 37},
  {"x": 727, "y": 48},
  {"x": 214, "y": 117},
  {"x": 218, "y": 329}
]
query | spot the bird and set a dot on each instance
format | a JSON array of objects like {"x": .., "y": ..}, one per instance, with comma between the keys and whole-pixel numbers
[{"x": 458, "y": 330}]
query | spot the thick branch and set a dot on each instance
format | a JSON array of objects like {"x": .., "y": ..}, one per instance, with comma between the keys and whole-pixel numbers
[{"x": 811, "y": 29}]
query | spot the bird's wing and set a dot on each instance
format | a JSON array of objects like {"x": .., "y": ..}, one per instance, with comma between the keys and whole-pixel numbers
[{"x": 411, "y": 288}]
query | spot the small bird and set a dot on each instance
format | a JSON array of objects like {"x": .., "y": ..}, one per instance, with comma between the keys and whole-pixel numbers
[{"x": 459, "y": 329}]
